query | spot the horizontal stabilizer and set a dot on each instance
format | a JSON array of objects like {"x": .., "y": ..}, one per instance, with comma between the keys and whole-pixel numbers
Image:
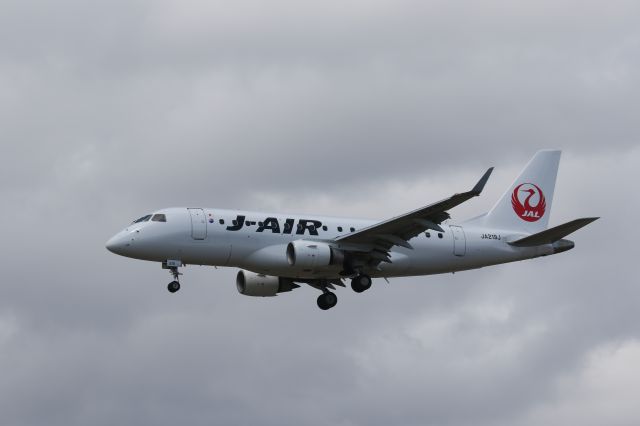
[{"x": 554, "y": 234}]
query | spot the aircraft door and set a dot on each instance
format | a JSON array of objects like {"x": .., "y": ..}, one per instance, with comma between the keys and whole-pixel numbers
[
  {"x": 198, "y": 224},
  {"x": 459, "y": 240}
]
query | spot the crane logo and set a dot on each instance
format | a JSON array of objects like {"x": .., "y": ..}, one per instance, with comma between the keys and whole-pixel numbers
[{"x": 528, "y": 202}]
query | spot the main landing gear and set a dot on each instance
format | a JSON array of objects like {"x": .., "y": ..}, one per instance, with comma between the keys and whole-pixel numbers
[
  {"x": 172, "y": 266},
  {"x": 360, "y": 283},
  {"x": 327, "y": 300}
]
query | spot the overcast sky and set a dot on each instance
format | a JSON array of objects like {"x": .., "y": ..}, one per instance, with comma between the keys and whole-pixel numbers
[{"x": 112, "y": 109}]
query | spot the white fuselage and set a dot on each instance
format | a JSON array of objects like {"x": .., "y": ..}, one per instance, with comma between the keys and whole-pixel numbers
[{"x": 258, "y": 242}]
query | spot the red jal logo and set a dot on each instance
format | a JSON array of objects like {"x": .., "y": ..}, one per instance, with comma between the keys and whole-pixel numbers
[{"x": 534, "y": 205}]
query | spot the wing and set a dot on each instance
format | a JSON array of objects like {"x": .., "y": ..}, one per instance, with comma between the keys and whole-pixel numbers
[{"x": 374, "y": 242}]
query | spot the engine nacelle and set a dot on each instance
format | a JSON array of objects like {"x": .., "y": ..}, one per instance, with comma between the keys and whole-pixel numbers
[
  {"x": 313, "y": 254},
  {"x": 252, "y": 284}
]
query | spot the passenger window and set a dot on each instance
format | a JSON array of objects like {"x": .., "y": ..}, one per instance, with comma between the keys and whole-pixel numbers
[
  {"x": 339, "y": 228},
  {"x": 352, "y": 229},
  {"x": 428, "y": 234},
  {"x": 439, "y": 235},
  {"x": 159, "y": 218},
  {"x": 324, "y": 228},
  {"x": 221, "y": 221}
]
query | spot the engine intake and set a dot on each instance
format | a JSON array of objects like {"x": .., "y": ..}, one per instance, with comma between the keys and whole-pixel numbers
[
  {"x": 252, "y": 284},
  {"x": 313, "y": 254}
]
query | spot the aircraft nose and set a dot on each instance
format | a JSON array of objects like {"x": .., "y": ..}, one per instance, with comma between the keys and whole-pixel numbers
[{"x": 116, "y": 244}]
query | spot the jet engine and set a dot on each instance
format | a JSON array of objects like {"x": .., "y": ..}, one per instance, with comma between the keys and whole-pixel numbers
[
  {"x": 252, "y": 284},
  {"x": 313, "y": 254}
]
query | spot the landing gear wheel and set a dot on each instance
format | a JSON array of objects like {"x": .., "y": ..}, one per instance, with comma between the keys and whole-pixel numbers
[
  {"x": 327, "y": 300},
  {"x": 173, "y": 286},
  {"x": 172, "y": 266},
  {"x": 361, "y": 283}
]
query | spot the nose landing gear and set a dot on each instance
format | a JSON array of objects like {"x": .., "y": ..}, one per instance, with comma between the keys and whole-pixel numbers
[
  {"x": 172, "y": 266},
  {"x": 173, "y": 286}
]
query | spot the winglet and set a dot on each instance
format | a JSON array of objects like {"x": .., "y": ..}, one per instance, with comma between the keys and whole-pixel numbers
[{"x": 482, "y": 182}]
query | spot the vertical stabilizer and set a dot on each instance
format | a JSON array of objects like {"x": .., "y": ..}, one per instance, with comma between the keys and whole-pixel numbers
[{"x": 526, "y": 206}]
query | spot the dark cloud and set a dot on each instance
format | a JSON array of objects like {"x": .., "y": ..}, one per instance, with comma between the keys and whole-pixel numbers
[{"x": 367, "y": 109}]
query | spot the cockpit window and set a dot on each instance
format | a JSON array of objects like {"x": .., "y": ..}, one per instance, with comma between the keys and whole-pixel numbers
[
  {"x": 159, "y": 218},
  {"x": 143, "y": 219}
]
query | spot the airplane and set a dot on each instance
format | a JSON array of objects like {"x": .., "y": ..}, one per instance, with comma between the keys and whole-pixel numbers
[{"x": 277, "y": 252}]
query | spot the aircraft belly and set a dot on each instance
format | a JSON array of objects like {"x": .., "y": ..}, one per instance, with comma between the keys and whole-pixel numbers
[
  {"x": 400, "y": 264},
  {"x": 205, "y": 253}
]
